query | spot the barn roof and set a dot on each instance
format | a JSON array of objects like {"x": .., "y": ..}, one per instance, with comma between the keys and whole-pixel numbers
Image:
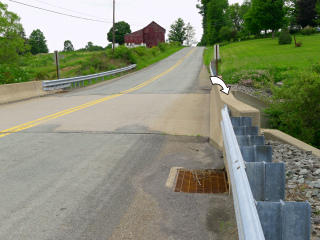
[
  {"x": 156, "y": 24},
  {"x": 153, "y": 22}
]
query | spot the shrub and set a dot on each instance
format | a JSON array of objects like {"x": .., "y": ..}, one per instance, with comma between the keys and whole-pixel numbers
[
  {"x": 43, "y": 75},
  {"x": 140, "y": 51},
  {"x": 252, "y": 77},
  {"x": 109, "y": 46},
  {"x": 124, "y": 53},
  {"x": 308, "y": 31},
  {"x": 154, "y": 51},
  {"x": 162, "y": 46},
  {"x": 284, "y": 37},
  {"x": 174, "y": 44},
  {"x": 13, "y": 74},
  {"x": 295, "y": 109},
  {"x": 316, "y": 68}
]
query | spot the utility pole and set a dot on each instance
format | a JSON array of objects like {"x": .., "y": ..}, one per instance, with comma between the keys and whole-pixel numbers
[{"x": 113, "y": 26}]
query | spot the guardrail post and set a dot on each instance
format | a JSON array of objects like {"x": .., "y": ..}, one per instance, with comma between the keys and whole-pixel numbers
[
  {"x": 249, "y": 226},
  {"x": 279, "y": 220}
]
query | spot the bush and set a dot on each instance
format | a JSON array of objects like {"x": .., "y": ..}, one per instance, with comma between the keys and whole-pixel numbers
[
  {"x": 124, "y": 53},
  {"x": 295, "y": 109},
  {"x": 316, "y": 68},
  {"x": 140, "y": 51},
  {"x": 109, "y": 46},
  {"x": 252, "y": 77},
  {"x": 13, "y": 74},
  {"x": 163, "y": 46},
  {"x": 308, "y": 31},
  {"x": 42, "y": 75},
  {"x": 101, "y": 62},
  {"x": 174, "y": 44},
  {"x": 284, "y": 37},
  {"x": 154, "y": 51}
]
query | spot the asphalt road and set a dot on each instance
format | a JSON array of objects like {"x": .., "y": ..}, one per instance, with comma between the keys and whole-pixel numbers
[{"x": 94, "y": 163}]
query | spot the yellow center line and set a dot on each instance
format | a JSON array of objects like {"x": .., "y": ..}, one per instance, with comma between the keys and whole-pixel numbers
[{"x": 74, "y": 109}]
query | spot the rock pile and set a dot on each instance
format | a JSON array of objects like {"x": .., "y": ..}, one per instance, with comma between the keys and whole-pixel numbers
[
  {"x": 302, "y": 178},
  {"x": 251, "y": 91},
  {"x": 302, "y": 170}
]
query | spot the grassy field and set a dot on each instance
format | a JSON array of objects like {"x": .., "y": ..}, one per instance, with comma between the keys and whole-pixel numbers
[
  {"x": 261, "y": 53},
  {"x": 42, "y": 67},
  {"x": 293, "y": 108}
]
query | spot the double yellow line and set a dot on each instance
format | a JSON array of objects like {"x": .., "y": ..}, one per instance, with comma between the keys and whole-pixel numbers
[{"x": 74, "y": 109}]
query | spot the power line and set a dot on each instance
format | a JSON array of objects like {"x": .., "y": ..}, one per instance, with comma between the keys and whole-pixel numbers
[
  {"x": 71, "y": 10},
  {"x": 68, "y": 15},
  {"x": 59, "y": 12}
]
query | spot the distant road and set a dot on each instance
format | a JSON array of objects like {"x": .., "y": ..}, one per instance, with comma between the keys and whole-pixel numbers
[{"x": 93, "y": 163}]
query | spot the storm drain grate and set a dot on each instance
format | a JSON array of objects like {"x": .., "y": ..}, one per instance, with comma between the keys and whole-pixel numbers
[{"x": 201, "y": 181}]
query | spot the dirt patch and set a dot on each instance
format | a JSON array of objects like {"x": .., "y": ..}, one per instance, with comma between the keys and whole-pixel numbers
[{"x": 68, "y": 68}]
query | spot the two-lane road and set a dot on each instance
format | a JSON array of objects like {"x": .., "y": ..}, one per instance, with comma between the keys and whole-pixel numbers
[{"x": 93, "y": 163}]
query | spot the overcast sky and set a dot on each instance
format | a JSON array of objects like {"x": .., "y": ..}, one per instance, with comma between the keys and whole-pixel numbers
[{"x": 139, "y": 13}]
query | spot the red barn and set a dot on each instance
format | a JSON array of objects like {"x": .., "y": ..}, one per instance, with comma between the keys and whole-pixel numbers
[{"x": 151, "y": 35}]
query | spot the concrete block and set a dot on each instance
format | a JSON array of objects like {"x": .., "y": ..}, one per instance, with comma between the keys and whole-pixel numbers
[
  {"x": 22, "y": 91},
  {"x": 276, "y": 135}
]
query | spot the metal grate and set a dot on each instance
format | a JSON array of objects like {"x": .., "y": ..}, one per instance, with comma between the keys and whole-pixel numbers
[{"x": 201, "y": 181}]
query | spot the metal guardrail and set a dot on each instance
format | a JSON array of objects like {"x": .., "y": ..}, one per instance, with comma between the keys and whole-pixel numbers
[
  {"x": 258, "y": 186},
  {"x": 66, "y": 82},
  {"x": 212, "y": 69},
  {"x": 249, "y": 226}
]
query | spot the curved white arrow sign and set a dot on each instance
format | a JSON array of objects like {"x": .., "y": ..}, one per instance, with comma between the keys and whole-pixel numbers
[{"x": 219, "y": 81}]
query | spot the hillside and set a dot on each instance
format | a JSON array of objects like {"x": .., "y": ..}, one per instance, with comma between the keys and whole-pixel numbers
[
  {"x": 294, "y": 106},
  {"x": 262, "y": 53},
  {"x": 41, "y": 67}
]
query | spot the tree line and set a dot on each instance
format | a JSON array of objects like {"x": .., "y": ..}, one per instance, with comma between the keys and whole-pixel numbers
[
  {"x": 14, "y": 42},
  {"x": 221, "y": 21}
]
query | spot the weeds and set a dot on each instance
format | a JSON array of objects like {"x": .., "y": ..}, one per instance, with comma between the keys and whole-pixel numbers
[
  {"x": 13, "y": 74},
  {"x": 295, "y": 107},
  {"x": 42, "y": 67}
]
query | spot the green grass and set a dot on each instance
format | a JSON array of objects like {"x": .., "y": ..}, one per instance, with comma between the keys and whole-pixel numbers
[
  {"x": 293, "y": 108},
  {"x": 261, "y": 53},
  {"x": 42, "y": 67}
]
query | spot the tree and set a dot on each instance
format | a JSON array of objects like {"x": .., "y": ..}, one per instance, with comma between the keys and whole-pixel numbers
[
  {"x": 251, "y": 22},
  {"x": 68, "y": 46},
  {"x": 216, "y": 18},
  {"x": 38, "y": 42},
  {"x": 120, "y": 30},
  {"x": 203, "y": 12},
  {"x": 307, "y": 12},
  {"x": 225, "y": 33},
  {"x": 317, "y": 9},
  {"x": 11, "y": 40},
  {"x": 90, "y": 47},
  {"x": 235, "y": 15},
  {"x": 177, "y": 32},
  {"x": 190, "y": 35},
  {"x": 267, "y": 14}
]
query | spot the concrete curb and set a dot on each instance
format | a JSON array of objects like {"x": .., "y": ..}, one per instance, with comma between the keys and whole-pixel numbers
[
  {"x": 22, "y": 91},
  {"x": 240, "y": 109},
  {"x": 276, "y": 135}
]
